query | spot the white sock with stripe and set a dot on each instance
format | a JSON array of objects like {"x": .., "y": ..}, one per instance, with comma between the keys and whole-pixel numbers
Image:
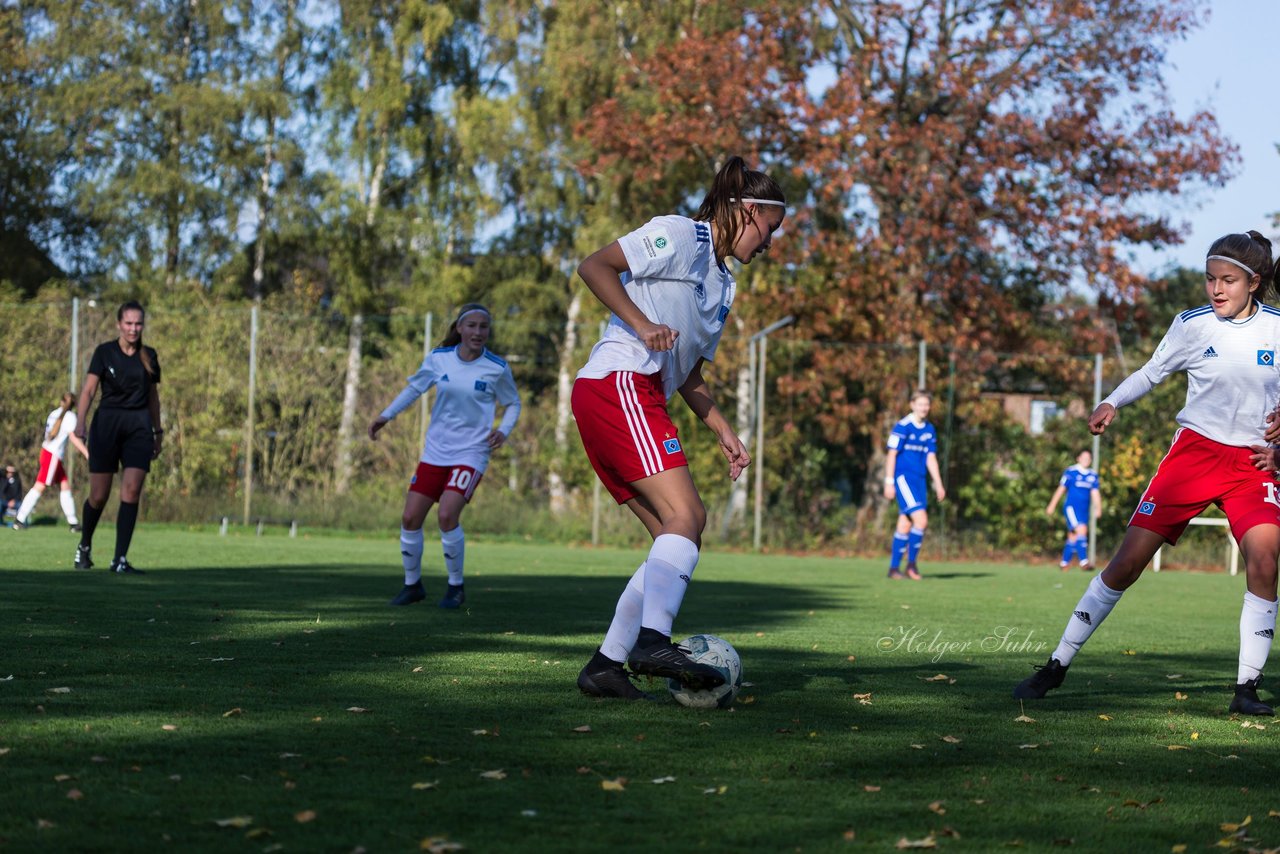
[
  {"x": 68, "y": 506},
  {"x": 625, "y": 627},
  {"x": 411, "y": 555},
  {"x": 667, "y": 573},
  {"x": 454, "y": 545},
  {"x": 1091, "y": 610},
  {"x": 1257, "y": 627}
]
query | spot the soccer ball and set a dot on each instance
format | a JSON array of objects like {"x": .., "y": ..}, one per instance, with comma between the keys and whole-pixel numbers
[{"x": 720, "y": 654}]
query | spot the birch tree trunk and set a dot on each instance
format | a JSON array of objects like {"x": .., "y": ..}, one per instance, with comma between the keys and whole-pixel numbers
[
  {"x": 350, "y": 398},
  {"x": 564, "y": 386},
  {"x": 737, "y": 505}
]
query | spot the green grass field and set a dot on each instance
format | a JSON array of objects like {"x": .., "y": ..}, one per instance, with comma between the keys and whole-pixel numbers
[{"x": 257, "y": 694}]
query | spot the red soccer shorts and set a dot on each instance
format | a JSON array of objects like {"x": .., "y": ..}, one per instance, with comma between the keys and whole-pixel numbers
[
  {"x": 1197, "y": 472},
  {"x": 625, "y": 429},
  {"x": 434, "y": 481},
  {"x": 51, "y": 470}
]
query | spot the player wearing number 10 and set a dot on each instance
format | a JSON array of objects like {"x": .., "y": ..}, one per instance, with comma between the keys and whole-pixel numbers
[
  {"x": 1228, "y": 350},
  {"x": 470, "y": 384}
]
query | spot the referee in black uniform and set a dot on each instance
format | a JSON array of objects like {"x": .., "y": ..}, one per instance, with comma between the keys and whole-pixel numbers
[{"x": 125, "y": 435}]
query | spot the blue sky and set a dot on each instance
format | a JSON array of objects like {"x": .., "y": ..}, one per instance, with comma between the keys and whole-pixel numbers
[{"x": 1229, "y": 65}]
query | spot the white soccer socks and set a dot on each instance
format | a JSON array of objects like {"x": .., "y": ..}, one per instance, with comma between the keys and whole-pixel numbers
[
  {"x": 68, "y": 506},
  {"x": 411, "y": 555},
  {"x": 28, "y": 504},
  {"x": 1092, "y": 609},
  {"x": 1257, "y": 626},
  {"x": 625, "y": 627},
  {"x": 454, "y": 545},
  {"x": 667, "y": 572}
]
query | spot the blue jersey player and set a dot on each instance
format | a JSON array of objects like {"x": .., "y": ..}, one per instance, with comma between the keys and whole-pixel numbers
[
  {"x": 1079, "y": 484},
  {"x": 912, "y": 454}
]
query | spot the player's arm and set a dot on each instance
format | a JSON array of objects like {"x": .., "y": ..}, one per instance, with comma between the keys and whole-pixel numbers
[
  {"x": 890, "y": 465},
  {"x": 87, "y": 391},
  {"x": 419, "y": 384},
  {"x": 602, "y": 271},
  {"x": 1095, "y": 501},
  {"x": 509, "y": 398},
  {"x": 1053, "y": 502},
  {"x": 698, "y": 397},
  {"x": 931, "y": 464}
]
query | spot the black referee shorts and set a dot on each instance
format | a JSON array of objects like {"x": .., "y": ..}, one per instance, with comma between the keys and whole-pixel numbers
[{"x": 120, "y": 438}]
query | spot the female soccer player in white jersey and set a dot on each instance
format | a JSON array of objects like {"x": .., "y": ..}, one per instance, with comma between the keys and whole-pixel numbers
[
  {"x": 59, "y": 429},
  {"x": 1079, "y": 483},
  {"x": 912, "y": 454},
  {"x": 670, "y": 289},
  {"x": 470, "y": 384},
  {"x": 1228, "y": 349}
]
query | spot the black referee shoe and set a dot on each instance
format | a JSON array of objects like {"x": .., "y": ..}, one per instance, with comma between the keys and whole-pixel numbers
[
  {"x": 454, "y": 596},
  {"x": 1246, "y": 700},
  {"x": 83, "y": 559},
  {"x": 655, "y": 655},
  {"x": 409, "y": 594},
  {"x": 121, "y": 566}
]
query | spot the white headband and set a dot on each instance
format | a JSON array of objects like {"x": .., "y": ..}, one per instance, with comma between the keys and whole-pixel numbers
[
  {"x": 760, "y": 202},
  {"x": 1231, "y": 261},
  {"x": 472, "y": 311}
]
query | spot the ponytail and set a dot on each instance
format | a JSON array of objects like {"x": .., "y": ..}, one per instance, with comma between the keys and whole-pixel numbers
[
  {"x": 731, "y": 189},
  {"x": 134, "y": 305},
  {"x": 64, "y": 407}
]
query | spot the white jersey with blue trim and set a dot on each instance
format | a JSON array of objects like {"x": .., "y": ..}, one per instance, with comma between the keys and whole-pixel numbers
[
  {"x": 675, "y": 280},
  {"x": 467, "y": 397},
  {"x": 1232, "y": 379}
]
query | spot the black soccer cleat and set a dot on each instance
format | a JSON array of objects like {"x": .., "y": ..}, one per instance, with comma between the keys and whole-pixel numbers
[
  {"x": 121, "y": 566},
  {"x": 454, "y": 596},
  {"x": 663, "y": 658},
  {"x": 18, "y": 526},
  {"x": 1246, "y": 700},
  {"x": 75, "y": 528},
  {"x": 1047, "y": 677},
  {"x": 602, "y": 677},
  {"x": 409, "y": 594},
  {"x": 83, "y": 558}
]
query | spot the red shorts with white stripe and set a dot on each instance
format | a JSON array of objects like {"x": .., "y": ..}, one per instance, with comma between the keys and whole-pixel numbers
[
  {"x": 624, "y": 426},
  {"x": 51, "y": 470},
  {"x": 1197, "y": 472},
  {"x": 434, "y": 481}
]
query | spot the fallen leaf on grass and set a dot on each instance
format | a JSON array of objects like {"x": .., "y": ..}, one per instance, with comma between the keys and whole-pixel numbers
[
  {"x": 661, "y": 780},
  {"x": 358, "y": 710},
  {"x": 1195, "y": 736},
  {"x": 1130, "y": 652},
  {"x": 904, "y": 843},
  {"x": 169, "y": 728},
  {"x": 61, "y": 778},
  {"x": 44, "y": 824},
  {"x": 715, "y": 790},
  {"x": 233, "y": 713},
  {"x": 1251, "y": 725},
  {"x": 950, "y": 739},
  {"x": 1180, "y": 848},
  {"x": 423, "y": 786},
  {"x": 617, "y": 785},
  {"x": 1023, "y": 719},
  {"x": 439, "y": 845},
  {"x": 870, "y": 788},
  {"x": 1027, "y": 746},
  {"x": 1173, "y": 676},
  {"x": 258, "y": 833},
  {"x": 4, "y": 750},
  {"x": 864, "y": 699},
  {"x": 937, "y": 807},
  {"x": 417, "y": 669},
  {"x": 1178, "y": 747},
  {"x": 74, "y": 794},
  {"x": 917, "y": 747},
  {"x": 236, "y": 821},
  {"x": 583, "y": 728},
  {"x": 1178, "y": 695},
  {"x": 1229, "y": 827},
  {"x": 1104, "y": 717},
  {"x": 849, "y": 835},
  {"x": 941, "y": 677},
  {"x": 304, "y": 816},
  {"x": 496, "y": 774},
  {"x": 59, "y": 690}
]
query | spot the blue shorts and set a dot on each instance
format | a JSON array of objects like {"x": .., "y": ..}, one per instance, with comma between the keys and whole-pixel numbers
[
  {"x": 912, "y": 491},
  {"x": 1075, "y": 516}
]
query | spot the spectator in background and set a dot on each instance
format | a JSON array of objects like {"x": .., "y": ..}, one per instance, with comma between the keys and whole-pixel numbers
[{"x": 12, "y": 492}]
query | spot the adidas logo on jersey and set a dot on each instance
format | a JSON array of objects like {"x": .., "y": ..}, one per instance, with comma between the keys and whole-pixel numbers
[
  {"x": 444, "y": 378},
  {"x": 1084, "y": 615},
  {"x": 1210, "y": 353},
  {"x": 1265, "y": 633}
]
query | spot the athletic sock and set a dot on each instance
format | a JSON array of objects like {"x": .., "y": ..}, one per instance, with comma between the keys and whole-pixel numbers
[
  {"x": 126, "y": 519},
  {"x": 28, "y": 504},
  {"x": 1257, "y": 627},
  {"x": 625, "y": 627},
  {"x": 411, "y": 555},
  {"x": 897, "y": 549},
  {"x": 1068, "y": 550},
  {"x": 667, "y": 573},
  {"x": 454, "y": 545},
  {"x": 914, "y": 540},
  {"x": 1091, "y": 610},
  {"x": 91, "y": 516},
  {"x": 68, "y": 506},
  {"x": 1082, "y": 548}
]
